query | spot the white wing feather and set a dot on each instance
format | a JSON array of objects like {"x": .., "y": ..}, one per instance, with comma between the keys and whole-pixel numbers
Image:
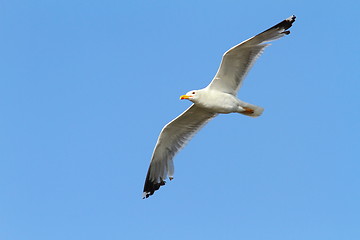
[
  {"x": 172, "y": 138},
  {"x": 237, "y": 61}
]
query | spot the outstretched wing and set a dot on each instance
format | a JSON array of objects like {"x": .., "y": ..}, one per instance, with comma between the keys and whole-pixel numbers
[
  {"x": 172, "y": 138},
  {"x": 237, "y": 61}
]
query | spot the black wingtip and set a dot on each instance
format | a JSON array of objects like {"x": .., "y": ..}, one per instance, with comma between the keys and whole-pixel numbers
[
  {"x": 151, "y": 186},
  {"x": 286, "y": 24},
  {"x": 283, "y": 25}
]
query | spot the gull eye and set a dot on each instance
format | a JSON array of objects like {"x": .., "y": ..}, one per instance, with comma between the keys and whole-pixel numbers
[{"x": 193, "y": 92}]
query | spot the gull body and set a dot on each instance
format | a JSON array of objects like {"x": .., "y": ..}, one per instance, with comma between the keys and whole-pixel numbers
[
  {"x": 221, "y": 102},
  {"x": 220, "y": 96}
]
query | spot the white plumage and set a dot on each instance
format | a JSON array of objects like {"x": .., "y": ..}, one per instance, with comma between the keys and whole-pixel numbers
[{"x": 218, "y": 97}]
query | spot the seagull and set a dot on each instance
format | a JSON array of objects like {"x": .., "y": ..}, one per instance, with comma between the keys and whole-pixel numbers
[{"x": 218, "y": 97}]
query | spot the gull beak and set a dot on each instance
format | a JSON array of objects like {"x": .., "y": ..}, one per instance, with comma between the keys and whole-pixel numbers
[{"x": 184, "y": 97}]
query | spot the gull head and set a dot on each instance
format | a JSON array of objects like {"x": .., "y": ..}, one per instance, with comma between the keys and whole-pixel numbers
[{"x": 192, "y": 95}]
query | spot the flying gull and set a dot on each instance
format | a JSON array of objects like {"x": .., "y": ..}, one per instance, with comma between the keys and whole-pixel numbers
[{"x": 218, "y": 97}]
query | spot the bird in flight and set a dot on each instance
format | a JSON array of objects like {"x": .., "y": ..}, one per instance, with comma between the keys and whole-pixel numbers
[{"x": 218, "y": 97}]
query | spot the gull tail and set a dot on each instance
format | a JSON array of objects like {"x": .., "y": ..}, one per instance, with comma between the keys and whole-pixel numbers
[{"x": 250, "y": 109}]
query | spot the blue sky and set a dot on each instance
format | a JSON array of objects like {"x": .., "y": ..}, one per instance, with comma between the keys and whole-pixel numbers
[{"x": 86, "y": 86}]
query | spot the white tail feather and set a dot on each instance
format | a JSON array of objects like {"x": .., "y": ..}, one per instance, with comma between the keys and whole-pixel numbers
[{"x": 250, "y": 109}]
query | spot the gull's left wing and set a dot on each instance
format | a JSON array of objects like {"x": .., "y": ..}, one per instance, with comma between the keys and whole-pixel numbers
[
  {"x": 172, "y": 138},
  {"x": 237, "y": 61}
]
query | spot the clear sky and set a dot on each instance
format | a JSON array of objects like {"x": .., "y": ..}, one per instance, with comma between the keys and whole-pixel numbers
[{"x": 86, "y": 86}]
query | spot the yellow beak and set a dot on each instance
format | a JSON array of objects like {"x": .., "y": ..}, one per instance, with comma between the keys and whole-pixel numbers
[{"x": 184, "y": 97}]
